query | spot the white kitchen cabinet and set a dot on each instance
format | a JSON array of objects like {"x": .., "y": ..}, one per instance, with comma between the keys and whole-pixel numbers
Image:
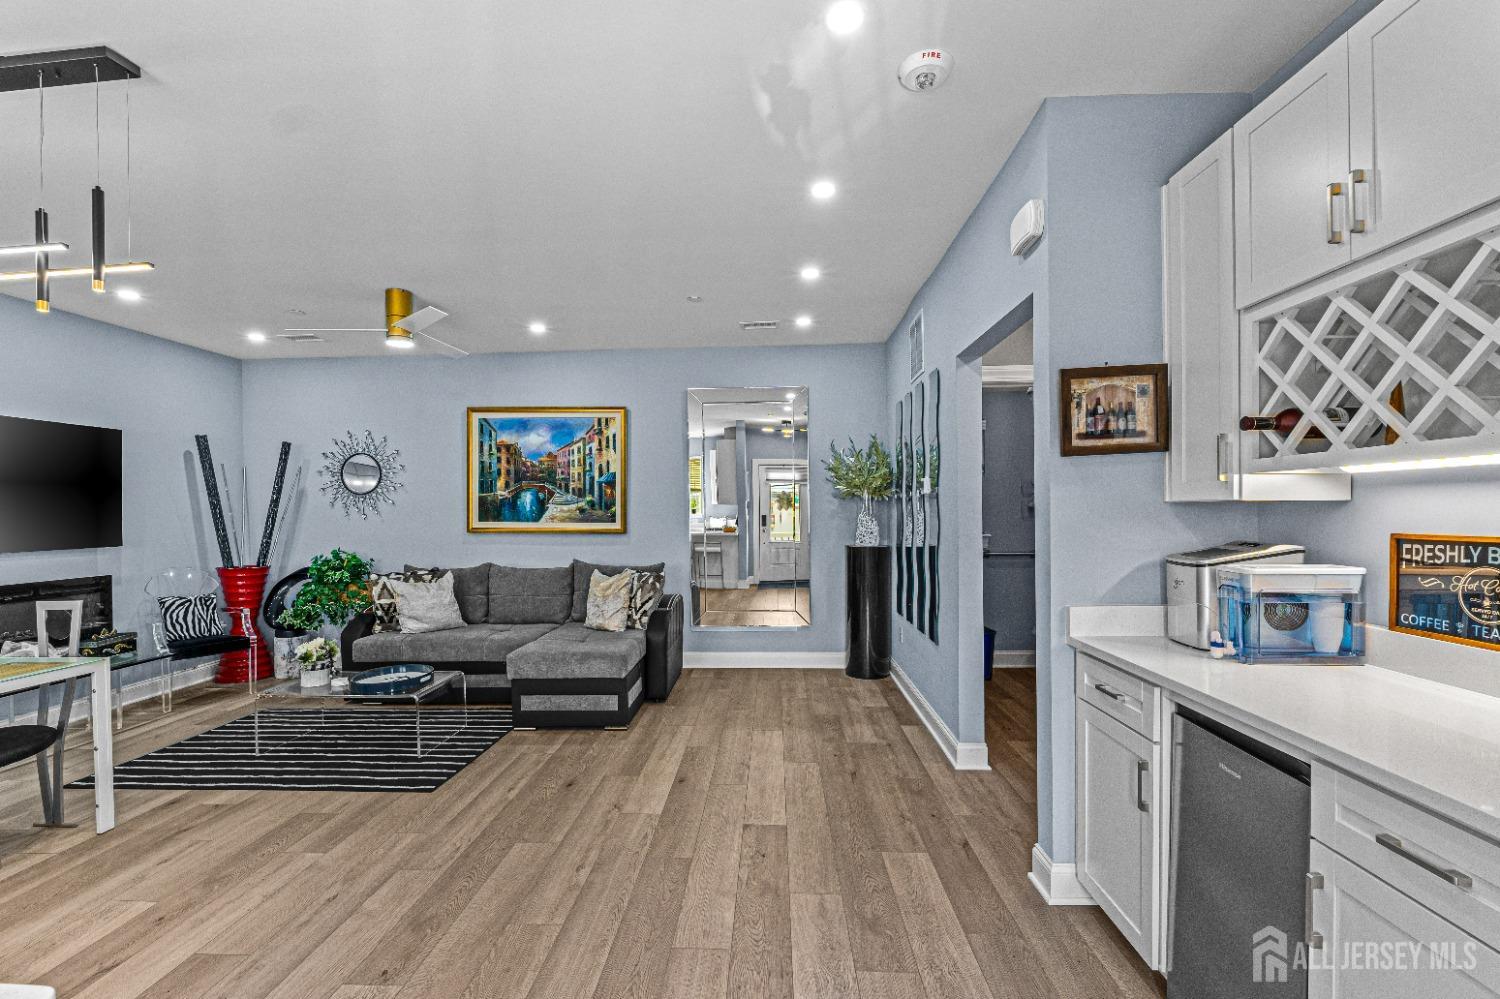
[
  {"x": 1116, "y": 822},
  {"x": 1202, "y": 334},
  {"x": 1423, "y": 92},
  {"x": 1291, "y": 156},
  {"x": 1376, "y": 943},
  {"x": 1201, "y": 325}
]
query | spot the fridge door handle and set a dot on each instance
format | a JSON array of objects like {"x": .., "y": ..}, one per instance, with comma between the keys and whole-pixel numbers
[
  {"x": 1314, "y": 883},
  {"x": 1141, "y": 766}
]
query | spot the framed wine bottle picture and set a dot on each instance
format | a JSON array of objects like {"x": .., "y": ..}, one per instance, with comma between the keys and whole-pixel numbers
[{"x": 1115, "y": 409}]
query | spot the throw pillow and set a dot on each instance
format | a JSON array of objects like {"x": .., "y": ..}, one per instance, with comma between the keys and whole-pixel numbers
[
  {"x": 383, "y": 598},
  {"x": 183, "y": 618},
  {"x": 609, "y": 601},
  {"x": 645, "y": 594},
  {"x": 423, "y": 606}
]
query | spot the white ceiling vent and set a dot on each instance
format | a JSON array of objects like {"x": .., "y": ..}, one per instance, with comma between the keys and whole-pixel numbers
[
  {"x": 759, "y": 324},
  {"x": 916, "y": 342},
  {"x": 300, "y": 337}
]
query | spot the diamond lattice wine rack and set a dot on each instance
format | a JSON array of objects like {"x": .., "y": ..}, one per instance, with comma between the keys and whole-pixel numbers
[{"x": 1402, "y": 363}]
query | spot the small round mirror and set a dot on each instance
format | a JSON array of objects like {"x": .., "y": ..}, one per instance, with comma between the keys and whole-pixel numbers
[{"x": 361, "y": 473}]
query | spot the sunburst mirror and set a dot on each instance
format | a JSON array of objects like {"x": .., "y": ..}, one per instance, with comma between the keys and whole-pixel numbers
[{"x": 361, "y": 473}]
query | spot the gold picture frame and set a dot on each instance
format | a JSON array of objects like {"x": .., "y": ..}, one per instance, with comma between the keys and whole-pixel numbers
[{"x": 515, "y": 482}]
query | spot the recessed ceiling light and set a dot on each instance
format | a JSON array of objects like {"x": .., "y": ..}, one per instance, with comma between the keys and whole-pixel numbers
[
  {"x": 255, "y": 336},
  {"x": 823, "y": 189},
  {"x": 811, "y": 272},
  {"x": 845, "y": 17},
  {"x": 786, "y": 409},
  {"x": 790, "y": 396},
  {"x": 128, "y": 294},
  {"x": 538, "y": 327},
  {"x": 803, "y": 322},
  {"x": 695, "y": 298}
]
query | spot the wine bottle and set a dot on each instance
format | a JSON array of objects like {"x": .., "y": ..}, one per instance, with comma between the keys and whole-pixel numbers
[{"x": 1286, "y": 420}]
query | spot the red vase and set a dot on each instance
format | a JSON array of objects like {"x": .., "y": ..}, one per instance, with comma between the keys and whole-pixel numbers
[{"x": 244, "y": 586}]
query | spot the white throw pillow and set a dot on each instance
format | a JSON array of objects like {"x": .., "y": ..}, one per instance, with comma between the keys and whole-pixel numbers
[
  {"x": 423, "y": 607},
  {"x": 609, "y": 601}
]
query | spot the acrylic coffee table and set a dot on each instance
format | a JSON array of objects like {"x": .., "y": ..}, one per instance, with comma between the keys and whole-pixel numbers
[{"x": 291, "y": 693}]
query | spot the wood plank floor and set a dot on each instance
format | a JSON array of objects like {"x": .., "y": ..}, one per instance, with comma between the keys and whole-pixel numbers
[{"x": 765, "y": 833}]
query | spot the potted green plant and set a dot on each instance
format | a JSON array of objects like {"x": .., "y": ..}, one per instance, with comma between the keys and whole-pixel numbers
[
  {"x": 335, "y": 590},
  {"x": 863, "y": 474}
]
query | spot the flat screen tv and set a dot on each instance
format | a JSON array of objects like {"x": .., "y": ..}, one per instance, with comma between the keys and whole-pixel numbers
[{"x": 59, "y": 486}]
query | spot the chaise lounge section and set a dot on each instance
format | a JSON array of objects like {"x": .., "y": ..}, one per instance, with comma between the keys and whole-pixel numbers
[{"x": 524, "y": 643}]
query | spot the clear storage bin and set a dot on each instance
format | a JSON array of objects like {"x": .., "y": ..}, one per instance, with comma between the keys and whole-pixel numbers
[{"x": 1293, "y": 613}]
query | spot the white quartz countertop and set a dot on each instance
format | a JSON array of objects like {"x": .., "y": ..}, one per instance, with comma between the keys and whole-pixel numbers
[{"x": 1432, "y": 743}]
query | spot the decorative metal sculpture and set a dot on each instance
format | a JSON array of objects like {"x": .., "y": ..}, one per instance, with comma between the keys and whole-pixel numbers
[{"x": 361, "y": 474}]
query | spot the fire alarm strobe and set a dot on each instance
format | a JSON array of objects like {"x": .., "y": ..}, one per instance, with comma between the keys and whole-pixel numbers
[{"x": 924, "y": 70}]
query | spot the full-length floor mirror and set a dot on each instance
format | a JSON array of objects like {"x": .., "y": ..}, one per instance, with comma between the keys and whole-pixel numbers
[{"x": 748, "y": 507}]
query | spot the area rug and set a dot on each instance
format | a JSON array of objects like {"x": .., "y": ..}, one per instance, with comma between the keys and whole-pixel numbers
[{"x": 337, "y": 749}]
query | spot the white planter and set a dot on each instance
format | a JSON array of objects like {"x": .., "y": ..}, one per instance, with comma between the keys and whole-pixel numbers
[{"x": 317, "y": 677}]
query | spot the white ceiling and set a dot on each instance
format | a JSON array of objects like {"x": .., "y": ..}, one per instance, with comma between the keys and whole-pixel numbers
[{"x": 590, "y": 165}]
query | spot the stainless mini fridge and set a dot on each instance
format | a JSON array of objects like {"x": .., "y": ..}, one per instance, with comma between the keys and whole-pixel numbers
[{"x": 1241, "y": 827}]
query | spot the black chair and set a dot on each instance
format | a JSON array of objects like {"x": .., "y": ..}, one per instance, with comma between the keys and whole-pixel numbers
[{"x": 17, "y": 742}]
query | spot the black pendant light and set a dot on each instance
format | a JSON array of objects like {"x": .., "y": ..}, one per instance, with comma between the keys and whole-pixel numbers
[
  {"x": 43, "y": 296},
  {"x": 98, "y": 206}
]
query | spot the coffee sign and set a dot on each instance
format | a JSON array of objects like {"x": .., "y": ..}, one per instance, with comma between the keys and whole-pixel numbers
[{"x": 1446, "y": 587}]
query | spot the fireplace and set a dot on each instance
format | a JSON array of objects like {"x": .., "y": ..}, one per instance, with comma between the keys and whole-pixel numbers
[{"x": 18, "y": 607}]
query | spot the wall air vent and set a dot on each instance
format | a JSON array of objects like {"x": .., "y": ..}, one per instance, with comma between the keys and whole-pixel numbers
[
  {"x": 759, "y": 324},
  {"x": 300, "y": 337},
  {"x": 917, "y": 343}
]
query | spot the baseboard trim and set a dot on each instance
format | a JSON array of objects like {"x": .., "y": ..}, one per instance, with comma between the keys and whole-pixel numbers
[
  {"x": 961, "y": 755},
  {"x": 1058, "y": 884},
  {"x": 763, "y": 660}
]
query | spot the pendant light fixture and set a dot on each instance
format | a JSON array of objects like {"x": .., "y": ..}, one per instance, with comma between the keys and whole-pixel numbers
[
  {"x": 98, "y": 195},
  {"x": 66, "y": 67},
  {"x": 43, "y": 260}
]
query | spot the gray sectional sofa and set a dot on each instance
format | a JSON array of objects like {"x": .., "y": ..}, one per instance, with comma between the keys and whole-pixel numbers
[{"x": 524, "y": 642}]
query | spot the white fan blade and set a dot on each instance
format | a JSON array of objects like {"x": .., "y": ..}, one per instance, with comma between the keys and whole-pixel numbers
[
  {"x": 312, "y": 329},
  {"x": 457, "y": 350},
  {"x": 421, "y": 319}
]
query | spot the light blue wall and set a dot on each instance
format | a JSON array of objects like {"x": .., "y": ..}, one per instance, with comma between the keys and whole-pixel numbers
[
  {"x": 70, "y": 369},
  {"x": 1095, "y": 284},
  {"x": 1009, "y": 520},
  {"x": 420, "y": 404}
]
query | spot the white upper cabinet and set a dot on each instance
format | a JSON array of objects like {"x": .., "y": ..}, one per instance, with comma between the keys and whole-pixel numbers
[
  {"x": 1423, "y": 98},
  {"x": 1291, "y": 156},
  {"x": 1202, "y": 328}
]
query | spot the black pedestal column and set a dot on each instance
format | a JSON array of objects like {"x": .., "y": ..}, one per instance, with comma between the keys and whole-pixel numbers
[{"x": 868, "y": 571}]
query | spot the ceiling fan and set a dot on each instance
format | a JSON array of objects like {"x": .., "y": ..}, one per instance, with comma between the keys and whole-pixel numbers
[{"x": 402, "y": 325}]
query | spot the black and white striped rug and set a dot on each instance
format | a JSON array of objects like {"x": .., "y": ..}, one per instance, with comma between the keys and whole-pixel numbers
[{"x": 336, "y": 749}]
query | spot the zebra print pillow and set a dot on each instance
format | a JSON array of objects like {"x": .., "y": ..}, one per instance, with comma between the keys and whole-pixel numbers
[{"x": 191, "y": 617}]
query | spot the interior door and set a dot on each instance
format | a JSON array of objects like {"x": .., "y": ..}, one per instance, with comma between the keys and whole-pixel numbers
[
  {"x": 1291, "y": 165},
  {"x": 781, "y": 491},
  {"x": 1423, "y": 94}
]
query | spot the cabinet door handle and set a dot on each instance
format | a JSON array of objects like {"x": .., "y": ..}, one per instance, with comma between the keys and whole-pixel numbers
[
  {"x": 1356, "y": 222},
  {"x": 1141, "y": 766},
  {"x": 1109, "y": 691},
  {"x": 1454, "y": 877},
  {"x": 1335, "y": 234},
  {"x": 1221, "y": 458},
  {"x": 1314, "y": 883}
]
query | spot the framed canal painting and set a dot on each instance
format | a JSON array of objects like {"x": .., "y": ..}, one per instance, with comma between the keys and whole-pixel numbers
[
  {"x": 543, "y": 469},
  {"x": 1116, "y": 409}
]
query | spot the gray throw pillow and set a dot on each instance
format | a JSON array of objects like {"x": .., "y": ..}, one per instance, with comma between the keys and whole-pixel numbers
[
  {"x": 583, "y": 572},
  {"x": 645, "y": 594},
  {"x": 427, "y": 607},
  {"x": 471, "y": 585},
  {"x": 609, "y": 601},
  {"x": 383, "y": 598}
]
